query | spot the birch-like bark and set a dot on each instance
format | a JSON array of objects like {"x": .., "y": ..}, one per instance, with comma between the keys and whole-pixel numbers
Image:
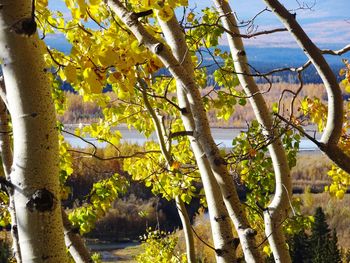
[
  {"x": 176, "y": 40},
  {"x": 332, "y": 132},
  {"x": 220, "y": 225},
  {"x": 201, "y": 131},
  {"x": 334, "y": 124},
  {"x": 6, "y": 157},
  {"x": 187, "y": 230},
  {"x": 160, "y": 131},
  {"x": 277, "y": 210},
  {"x": 74, "y": 242},
  {"x": 220, "y": 228},
  {"x": 35, "y": 171}
]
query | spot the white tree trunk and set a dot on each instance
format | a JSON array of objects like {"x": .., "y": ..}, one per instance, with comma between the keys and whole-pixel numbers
[
  {"x": 35, "y": 165},
  {"x": 333, "y": 130},
  {"x": 335, "y": 100},
  {"x": 181, "y": 209},
  {"x": 6, "y": 158},
  {"x": 175, "y": 38},
  {"x": 218, "y": 215},
  {"x": 74, "y": 242},
  {"x": 277, "y": 211},
  {"x": 187, "y": 229}
]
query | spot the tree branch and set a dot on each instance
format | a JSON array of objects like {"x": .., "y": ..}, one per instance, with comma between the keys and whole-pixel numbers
[{"x": 334, "y": 124}]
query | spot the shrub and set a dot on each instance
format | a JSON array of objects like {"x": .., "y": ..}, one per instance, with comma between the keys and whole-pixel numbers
[
  {"x": 128, "y": 219},
  {"x": 159, "y": 247},
  {"x": 201, "y": 226},
  {"x": 5, "y": 252}
]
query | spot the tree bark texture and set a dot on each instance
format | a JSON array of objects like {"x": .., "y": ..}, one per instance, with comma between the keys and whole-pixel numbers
[
  {"x": 332, "y": 132},
  {"x": 160, "y": 131},
  {"x": 277, "y": 210},
  {"x": 35, "y": 168},
  {"x": 6, "y": 158},
  {"x": 74, "y": 242},
  {"x": 183, "y": 79},
  {"x": 218, "y": 215}
]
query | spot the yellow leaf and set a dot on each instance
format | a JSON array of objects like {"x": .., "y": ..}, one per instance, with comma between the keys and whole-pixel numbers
[
  {"x": 347, "y": 88},
  {"x": 114, "y": 140},
  {"x": 245, "y": 170},
  {"x": 346, "y": 84},
  {"x": 69, "y": 3},
  {"x": 41, "y": 3},
  {"x": 95, "y": 2},
  {"x": 340, "y": 194},
  {"x": 76, "y": 15},
  {"x": 107, "y": 57},
  {"x": 175, "y": 165},
  {"x": 92, "y": 80},
  {"x": 166, "y": 13},
  {"x": 70, "y": 73},
  {"x": 190, "y": 17},
  {"x": 267, "y": 250},
  {"x": 333, "y": 188},
  {"x": 122, "y": 94},
  {"x": 135, "y": 47}
]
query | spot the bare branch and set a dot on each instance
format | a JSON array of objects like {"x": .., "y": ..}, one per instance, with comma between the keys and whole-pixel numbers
[
  {"x": 334, "y": 124},
  {"x": 336, "y": 52},
  {"x": 120, "y": 157}
]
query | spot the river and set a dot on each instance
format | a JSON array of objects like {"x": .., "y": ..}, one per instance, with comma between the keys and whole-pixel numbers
[
  {"x": 115, "y": 251},
  {"x": 222, "y": 136}
]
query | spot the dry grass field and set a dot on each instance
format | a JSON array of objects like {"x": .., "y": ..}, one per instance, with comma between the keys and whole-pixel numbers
[
  {"x": 85, "y": 112},
  {"x": 337, "y": 212},
  {"x": 311, "y": 171}
]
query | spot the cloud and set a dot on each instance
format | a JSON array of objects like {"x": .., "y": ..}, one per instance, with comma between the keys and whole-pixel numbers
[
  {"x": 324, "y": 34},
  {"x": 329, "y": 32}
]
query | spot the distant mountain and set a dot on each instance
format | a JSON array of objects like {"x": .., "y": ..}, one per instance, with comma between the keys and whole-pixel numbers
[
  {"x": 268, "y": 58},
  {"x": 284, "y": 56},
  {"x": 262, "y": 59}
]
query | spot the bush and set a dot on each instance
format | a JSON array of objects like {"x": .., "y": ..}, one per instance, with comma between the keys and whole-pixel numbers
[
  {"x": 159, "y": 247},
  {"x": 201, "y": 226},
  {"x": 128, "y": 219},
  {"x": 5, "y": 252}
]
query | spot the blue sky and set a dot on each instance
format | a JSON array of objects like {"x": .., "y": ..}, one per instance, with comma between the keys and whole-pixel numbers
[{"x": 328, "y": 23}]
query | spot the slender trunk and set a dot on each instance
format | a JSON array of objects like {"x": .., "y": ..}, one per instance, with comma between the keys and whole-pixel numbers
[
  {"x": 175, "y": 38},
  {"x": 74, "y": 242},
  {"x": 220, "y": 225},
  {"x": 278, "y": 209},
  {"x": 225, "y": 249},
  {"x": 334, "y": 124},
  {"x": 187, "y": 229},
  {"x": 6, "y": 157},
  {"x": 34, "y": 172},
  {"x": 332, "y": 132},
  {"x": 185, "y": 220},
  {"x": 219, "y": 218}
]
